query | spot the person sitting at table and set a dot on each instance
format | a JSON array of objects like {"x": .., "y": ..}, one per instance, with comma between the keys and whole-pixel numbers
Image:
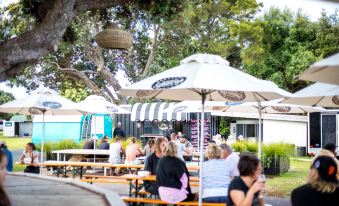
[
  {"x": 115, "y": 152},
  {"x": 89, "y": 144},
  {"x": 149, "y": 148},
  {"x": 189, "y": 148},
  {"x": 181, "y": 148},
  {"x": 132, "y": 151},
  {"x": 247, "y": 189},
  {"x": 216, "y": 176},
  {"x": 104, "y": 144},
  {"x": 30, "y": 156},
  {"x": 173, "y": 177},
  {"x": 232, "y": 159},
  {"x": 151, "y": 164}
]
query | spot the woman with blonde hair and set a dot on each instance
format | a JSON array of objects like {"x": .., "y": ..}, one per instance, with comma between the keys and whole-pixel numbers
[
  {"x": 322, "y": 184},
  {"x": 216, "y": 177},
  {"x": 173, "y": 177}
]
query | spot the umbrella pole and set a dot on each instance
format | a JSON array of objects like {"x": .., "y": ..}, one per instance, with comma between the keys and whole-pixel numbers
[
  {"x": 259, "y": 138},
  {"x": 201, "y": 146},
  {"x": 42, "y": 140},
  {"x": 198, "y": 124}
]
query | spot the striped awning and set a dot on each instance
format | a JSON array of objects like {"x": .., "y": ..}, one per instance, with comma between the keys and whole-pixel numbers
[{"x": 155, "y": 111}]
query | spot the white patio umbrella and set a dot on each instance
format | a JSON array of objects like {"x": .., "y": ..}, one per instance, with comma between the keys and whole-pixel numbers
[
  {"x": 269, "y": 107},
  {"x": 318, "y": 94},
  {"x": 94, "y": 104},
  {"x": 326, "y": 70},
  {"x": 41, "y": 102},
  {"x": 204, "y": 77}
]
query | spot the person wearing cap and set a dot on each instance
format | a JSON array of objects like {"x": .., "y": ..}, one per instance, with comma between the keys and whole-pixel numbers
[
  {"x": 118, "y": 131},
  {"x": 104, "y": 144},
  {"x": 322, "y": 184},
  {"x": 9, "y": 155},
  {"x": 329, "y": 150}
]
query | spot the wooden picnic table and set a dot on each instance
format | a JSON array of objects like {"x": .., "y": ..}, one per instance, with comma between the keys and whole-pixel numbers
[
  {"x": 80, "y": 152},
  {"x": 134, "y": 181},
  {"x": 62, "y": 165}
]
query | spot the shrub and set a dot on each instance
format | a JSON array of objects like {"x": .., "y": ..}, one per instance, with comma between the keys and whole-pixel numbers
[
  {"x": 125, "y": 142},
  {"x": 245, "y": 146},
  {"x": 67, "y": 144},
  {"x": 275, "y": 150}
]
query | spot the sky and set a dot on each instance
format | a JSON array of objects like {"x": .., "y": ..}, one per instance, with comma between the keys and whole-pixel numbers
[{"x": 312, "y": 8}]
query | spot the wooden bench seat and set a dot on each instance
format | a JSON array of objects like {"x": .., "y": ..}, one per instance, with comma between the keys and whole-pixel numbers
[
  {"x": 105, "y": 181},
  {"x": 160, "y": 202}
]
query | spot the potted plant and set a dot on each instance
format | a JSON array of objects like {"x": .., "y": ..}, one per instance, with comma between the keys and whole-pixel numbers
[{"x": 275, "y": 159}]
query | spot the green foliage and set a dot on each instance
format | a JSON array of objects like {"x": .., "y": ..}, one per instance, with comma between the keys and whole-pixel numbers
[
  {"x": 75, "y": 94},
  {"x": 276, "y": 150},
  {"x": 4, "y": 98},
  {"x": 245, "y": 146},
  {"x": 270, "y": 151},
  {"x": 291, "y": 42},
  {"x": 224, "y": 126},
  {"x": 60, "y": 145}
]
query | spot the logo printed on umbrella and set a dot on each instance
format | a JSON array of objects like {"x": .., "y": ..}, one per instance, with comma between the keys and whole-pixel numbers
[
  {"x": 169, "y": 82},
  {"x": 233, "y": 96},
  {"x": 281, "y": 108},
  {"x": 34, "y": 110},
  {"x": 111, "y": 109},
  {"x": 180, "y": 109},
  {"x": 335, "y": 99},
  {"x": 145, "y": 93},
  {"x": 52, "y": 105}
]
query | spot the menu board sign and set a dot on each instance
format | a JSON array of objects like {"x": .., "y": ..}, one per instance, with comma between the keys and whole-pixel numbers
[{"x": 195, "y": 132}]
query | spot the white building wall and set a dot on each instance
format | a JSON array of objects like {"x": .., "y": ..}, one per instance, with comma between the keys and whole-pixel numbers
[{"x": 286, "y": 131}]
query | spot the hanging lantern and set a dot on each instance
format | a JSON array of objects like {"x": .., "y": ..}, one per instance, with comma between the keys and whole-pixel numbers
[{"x": 114, "y": 38}]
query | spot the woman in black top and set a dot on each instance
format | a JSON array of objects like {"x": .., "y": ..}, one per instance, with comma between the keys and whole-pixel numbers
[
  {"x": 173, "y": 177},
  {"x": 151, "y": 164},
  {"x": 245, "y": 189},
  {"x": 322, "y": 185}
]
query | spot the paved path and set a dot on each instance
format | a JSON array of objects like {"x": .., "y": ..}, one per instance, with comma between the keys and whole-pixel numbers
[{"x": 25, "y": 191}]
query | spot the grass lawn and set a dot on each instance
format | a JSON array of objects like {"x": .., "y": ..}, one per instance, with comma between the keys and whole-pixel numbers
[
  {"x": 18, "y": 168},
  {"x": 283, "y": 185},
  {"x": 15, "y": 143}
]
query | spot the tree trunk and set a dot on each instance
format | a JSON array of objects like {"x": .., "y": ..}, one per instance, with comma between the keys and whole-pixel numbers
[
  {"x": 26, "y": 49},
  {"x": 153, "y": 49}
]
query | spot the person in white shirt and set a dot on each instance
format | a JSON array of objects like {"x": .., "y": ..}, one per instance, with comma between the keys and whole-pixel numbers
[
  {"x": 232, "y": 159},
  {"x": 115, "y": 151},
  {"x": 30, "y": 157},
  {"x": 181, "y": 147}
]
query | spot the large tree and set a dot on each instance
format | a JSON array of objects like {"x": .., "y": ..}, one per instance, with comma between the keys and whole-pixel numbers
[
  {"x": 292, "y": 42},
  {"x": 52, "y": 18}
]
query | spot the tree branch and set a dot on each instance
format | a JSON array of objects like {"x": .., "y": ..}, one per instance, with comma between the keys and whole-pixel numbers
[
  {"x": 26, "y": 49},
  {"x": 153, "y": 48}
]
